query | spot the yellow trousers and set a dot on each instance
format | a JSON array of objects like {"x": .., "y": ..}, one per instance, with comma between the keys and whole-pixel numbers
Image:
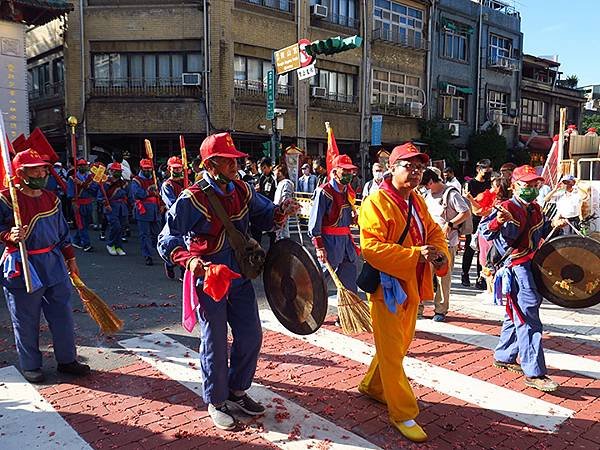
[{"x": 385, "y": 380}]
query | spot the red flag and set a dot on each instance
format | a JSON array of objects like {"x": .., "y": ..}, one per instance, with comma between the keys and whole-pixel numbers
[
  {"x": 332, "y": 151},
  {"x": 550, "y": 170},
  {"x": 37, "y": 140},
  {"x": 4, "y": 164},
  {"x": 20, "y": 143}
]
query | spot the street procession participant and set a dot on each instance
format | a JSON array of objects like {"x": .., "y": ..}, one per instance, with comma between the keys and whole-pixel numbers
[
  {"x": 51, "y": 258},
  {"x": 193, "y": 237},
  {"x": 405, "y": 253},
  {"x": 519, "y": 226},
  {"x": 329, "y": 224},
  {"x": 117, "y": 211},
  {"x": 169, "y": 192},
  {"x": 82, "y": 191},
  {"x": 145, "y": 197}
]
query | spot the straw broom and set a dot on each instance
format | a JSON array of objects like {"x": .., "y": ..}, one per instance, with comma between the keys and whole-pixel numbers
[
  {"x": 99, "y": 311},
  {"x": 352, "y": 311}
]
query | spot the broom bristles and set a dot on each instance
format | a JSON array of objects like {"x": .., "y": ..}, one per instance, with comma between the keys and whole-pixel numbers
[
  {"x": 353, "y": 313},
  {"x": 98, "y": 310}
]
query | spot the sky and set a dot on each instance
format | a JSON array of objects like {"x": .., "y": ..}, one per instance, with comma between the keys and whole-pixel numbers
[{"x": 567, "y": 28}]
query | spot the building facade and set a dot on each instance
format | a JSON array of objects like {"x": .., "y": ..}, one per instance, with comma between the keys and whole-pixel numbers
[
  {"x": 476, "y": 61},
  {"x": 186, "y": 67}
]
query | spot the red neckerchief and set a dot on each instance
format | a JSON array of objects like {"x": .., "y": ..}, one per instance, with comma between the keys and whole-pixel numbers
[{"x": 414, "y": 230}]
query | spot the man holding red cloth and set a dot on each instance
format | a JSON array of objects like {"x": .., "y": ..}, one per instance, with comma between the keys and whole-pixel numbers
[{"x": 145, "y": 198}]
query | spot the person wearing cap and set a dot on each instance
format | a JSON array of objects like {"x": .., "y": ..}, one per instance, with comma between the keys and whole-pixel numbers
[
  {"x": 82, "y": 191},
  {"x": 169, "y": 192},
  {"x": 399, "y": 238},
  {"x": 373, "y": 185},
  {"x": 117, "y": 212},
  {"x": 308, "y": 181},
  {"x": 518, "y": 226},
  {"x": 331, "y": 215},
  {"x": 51, "y": 258},
  {"x": 569, "y": 201},
  {"x": 194, "y": 238},
  {"x": 145, "y": 197}
]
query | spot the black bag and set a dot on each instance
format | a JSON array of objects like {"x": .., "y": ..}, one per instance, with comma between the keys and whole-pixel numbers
[{"x": 368, "y": 278}]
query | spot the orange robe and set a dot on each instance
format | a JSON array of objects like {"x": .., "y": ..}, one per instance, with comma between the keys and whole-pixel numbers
[{"x": 381, "y": 223}]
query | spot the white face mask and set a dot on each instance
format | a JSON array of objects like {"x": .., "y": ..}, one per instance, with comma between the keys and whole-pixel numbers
[{"x": 378, "y": 175}]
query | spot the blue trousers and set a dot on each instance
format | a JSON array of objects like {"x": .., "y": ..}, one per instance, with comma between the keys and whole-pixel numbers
[
  {"x": 523, "y": 338},
  {"x": 240, "y": 310},
  {"x": 115, "y": 229},
  {"x": 148, "y": 236},
  {"x": 346, "y": 272},
  {"x": 25, "y": 311},
  {"x": 82, "y": 237}
]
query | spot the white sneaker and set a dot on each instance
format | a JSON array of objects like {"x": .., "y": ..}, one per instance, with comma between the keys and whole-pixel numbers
[
  {"x": 111, "y": 250},
  {"x": 120, "y": 251}
]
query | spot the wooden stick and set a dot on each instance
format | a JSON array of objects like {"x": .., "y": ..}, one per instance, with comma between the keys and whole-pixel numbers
[
  {"x": 184, "y": 160},
  {"x": 150, "y": 156}
]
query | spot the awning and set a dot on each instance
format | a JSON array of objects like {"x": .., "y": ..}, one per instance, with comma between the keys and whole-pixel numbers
[
  {"x": 456, "y": 27},
  {"x": 539, "y": 144},
  {"x": 442, "y": 85},
  {"x": 39, "y": 12}
]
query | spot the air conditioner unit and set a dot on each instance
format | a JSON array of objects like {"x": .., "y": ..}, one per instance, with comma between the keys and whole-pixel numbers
[
  {"x": 319, "y": 10},
  {"x": 450, "y": 89},
  {"x": 319, "y": 92},
  {"x": 191, "y": 79},
  {"x": 463, "y": 155},
  {"x": 415, "y": 109},
  {"x": 496, "y": 115},
  {"x": 454, "y": 129}
]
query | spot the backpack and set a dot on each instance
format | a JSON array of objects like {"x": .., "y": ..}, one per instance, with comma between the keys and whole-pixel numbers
[{"x": 466, "y": 227}]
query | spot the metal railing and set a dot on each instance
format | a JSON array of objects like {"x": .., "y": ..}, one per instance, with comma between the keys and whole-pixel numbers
[
  {"x": 278, "y": 5},
  {"x": 500, "y": 6},
  {"x": 47, "y": 90},
  {"x": 258, "y": 89},
  {"x": 503, "y": 62},
  {"x": 391, "y": 110},
  {"x": 141, "y": 87},
  {"x": 338, "y": 102},
  {"x": 344, "y": 21},
  {"x": 380, "y": 34}
]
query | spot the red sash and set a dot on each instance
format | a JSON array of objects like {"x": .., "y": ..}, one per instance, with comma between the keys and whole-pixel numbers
[
  {"x": 340, "y": 231},
  {"x": 84, "y": 201},
  {"x": 140, "y": 204}
]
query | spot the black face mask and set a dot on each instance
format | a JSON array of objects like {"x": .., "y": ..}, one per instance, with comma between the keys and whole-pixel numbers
[
  {"x": 147, "y": 173},
  {"x": 487, "y": 176},
  {"x": 36, "y": 183}
]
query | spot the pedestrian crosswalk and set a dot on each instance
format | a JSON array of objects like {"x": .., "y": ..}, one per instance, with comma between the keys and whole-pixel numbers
[{"x": 308, "y": 384}]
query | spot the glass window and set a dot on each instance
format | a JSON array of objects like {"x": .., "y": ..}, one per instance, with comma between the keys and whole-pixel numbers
[
  {"x": 453, "y": 108},
  {"x": 254, "y": 67},
  {"x": 534, "y": 116},
  {"x": 150, "y": 70},
  {"x": 399, "y": 23},
  {"x": 454, "y": 45},
  {"x": 137, "y": 69},
  {"x": 342, "y": 12},
  {"x": 498, "y": 101},
  {"x": 500, "y": 48},
  {"x": 164, "y": 68},
  {"x": 194, "y": 63},
  {"x": 239, "y": 68},
  {"x": 395, "y": 88},
  {"x": 340, "y": 86}
]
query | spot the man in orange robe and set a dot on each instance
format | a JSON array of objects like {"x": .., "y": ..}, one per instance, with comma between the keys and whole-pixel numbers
[{"x": 408, "y": 265}]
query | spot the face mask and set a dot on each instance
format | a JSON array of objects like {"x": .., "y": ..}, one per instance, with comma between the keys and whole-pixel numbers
[
  {"x": 117, "y": 175},
  {"x": 37, "y": 183},
  {"x": 528, "y": 194},
  {"x": 306, "y": 171},
  {"x": 177, "y": 174},
  {"x": 346, "y": 178},
  {"x": 147, "y": 173},
  {"x": 83, "y": 170},
  {"x": 378, "y": 176},
  {"x": 487, "y": 176}
]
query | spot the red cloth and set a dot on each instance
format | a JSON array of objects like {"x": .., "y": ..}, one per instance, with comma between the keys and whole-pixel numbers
[
  {"x": 332, "y": 151},
  {"x": 217, "y": 281},
  {"x": 486, "y": 199}
]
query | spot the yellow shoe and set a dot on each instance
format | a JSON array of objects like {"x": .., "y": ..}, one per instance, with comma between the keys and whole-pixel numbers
[
  {"x": 364, "y": 391},
  {"x": 413, "y": 433}
]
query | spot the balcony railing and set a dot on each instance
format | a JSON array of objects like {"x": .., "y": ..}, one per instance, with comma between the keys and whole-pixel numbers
[
  {"x": 391, "y": 110},
  {"x": 278, "y": 5},
  {"x": 337, "y": 19},
  {"x": 47, "y": 90},
  {"x": 251, "y": 89},
  {"x": 138, "y": 87},
  {"x": 338, "y": 102},
  {"x": 503, "y": 62},
  {"x": 396, "y": 38},
  {"x": 500, "y": 6}
]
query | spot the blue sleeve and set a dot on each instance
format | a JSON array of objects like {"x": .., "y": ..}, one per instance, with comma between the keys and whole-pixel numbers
[
  {"x": 64, "y": 235},
  {"x": 262, "y": 211},
  {"x": 505, "y": 235},
  {"x": 6, "y": 216},
  {"x": 312, "y": 183},
  {"x": 137, "y": 192},
  {"x": 167, "y": 194},
  {"x": 180, "y": 219},
  {"x": 70, "y": 188},
  {"x": 319, "y": 207}
]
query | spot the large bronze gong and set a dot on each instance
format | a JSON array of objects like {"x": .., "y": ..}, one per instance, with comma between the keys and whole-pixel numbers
[{"x": 566, "y": 270}]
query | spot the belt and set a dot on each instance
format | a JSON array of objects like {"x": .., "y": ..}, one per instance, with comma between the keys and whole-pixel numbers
[
  {"x": 84, "y": 201},
  {"x": 336, "y": 231},
  {"x": 151, "y": 200},
  {"x": 37, "y": 251}
]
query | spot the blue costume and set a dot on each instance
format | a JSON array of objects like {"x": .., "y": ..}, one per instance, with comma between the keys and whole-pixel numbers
[
  {"x": 87, "y": 191},
  {"x": 145, "y": 212},
  {"x": 49, "y": 245},
  {"x": 193, "y": 230},
  {"x": 521, "y": 333},
  {"x": 329, "y": 227},
  {"x": 116, "y": 191},
  {"x": 170, "y": 191}
]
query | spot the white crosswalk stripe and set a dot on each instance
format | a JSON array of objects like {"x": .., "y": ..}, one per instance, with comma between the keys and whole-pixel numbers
[
  {"x": 28, "y": 420},
  {"x": 311, "y": 431},
  {"x": 531, "y": 411}
]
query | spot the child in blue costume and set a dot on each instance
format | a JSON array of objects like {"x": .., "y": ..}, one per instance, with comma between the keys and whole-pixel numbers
[
  {"x": 83, "y": 185},
  {"x": 146, "y": 209},
  {"x": 51, "y": 258},
  {"x": 194, "y": 237},
  {"x": 169, "y": 192},
  {"x": 116, "y": 214}
]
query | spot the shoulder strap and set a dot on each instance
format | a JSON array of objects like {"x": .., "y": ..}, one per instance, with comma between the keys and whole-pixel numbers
[
  {"x": 446, "y": 194},
  {"x": 235, "y": 237},
  {"x": 408, "y": 220}
]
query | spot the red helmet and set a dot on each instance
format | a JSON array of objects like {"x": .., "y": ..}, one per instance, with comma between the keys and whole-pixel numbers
[
  {"x": 28, "y": 158},
  {"x": 219, "y": 144},
  {"x": 526, "y": 174},
  {"x": 407, "y": 151},
  {"x": 82, "y": 162},
  {"x": 146, "y": 164},
  {"x": 117, "y": 167},
  {"x": 175, "y": 162},
  {"x": 343, "y": 162}
]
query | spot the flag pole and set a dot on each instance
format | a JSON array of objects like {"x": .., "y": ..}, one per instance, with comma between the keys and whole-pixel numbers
[
  {"x": 72, "y": 121},
  {"x": 184, "y": 160},
  {"x": 561, "y": 141},
  {"x": 4, "y": 143}
]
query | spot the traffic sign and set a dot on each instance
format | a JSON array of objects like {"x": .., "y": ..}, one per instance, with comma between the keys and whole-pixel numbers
[
  {"x": 305, "y": 59},
  {"x": 287, "y": 59},
  {"x": 270, "y": 94},
  {"x": 306, "y": 72}
]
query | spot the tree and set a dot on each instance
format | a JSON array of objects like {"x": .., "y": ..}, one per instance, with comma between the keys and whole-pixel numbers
[
  {"x": 591, "y": 121},
  {"x": 488, "y": 145},
  {"x": 437, "y": 136},
  {"x": 570, "y": 82}
]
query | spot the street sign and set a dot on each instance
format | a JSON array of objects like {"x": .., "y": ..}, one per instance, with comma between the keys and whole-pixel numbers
[
  {"x": 376, "y": 125},
  {"x": 305, "y": 59},
  {"x": 287, "y": 59},
  {"x": 270, "y": 94},
  {"x": 306, "y": 72}
]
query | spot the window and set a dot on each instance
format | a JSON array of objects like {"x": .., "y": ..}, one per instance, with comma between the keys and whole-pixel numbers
[
  {"x": 340, "y": 86},
  {"x": 250, "y": 74},
  {"x": 393, "y": 88},
  {"x": 398, "y": 23},
  {"x": 453, "y": 108},
  {"x": 58, "y": 70},
  {"x": 500, "y": 48},
  {"x": 282, "y": 5},
  {"x": 39, "y": 80},
  {"x": 498, "y": 101},
  {"x": 341, "y": 12},
  {"x": 534, "y": 116},
  {"x": 455, "y": 45},
  {"x": 143, "y": 69}
]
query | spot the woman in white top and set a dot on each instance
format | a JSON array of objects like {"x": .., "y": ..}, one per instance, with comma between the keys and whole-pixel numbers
[{"x": 284, "y": 190}]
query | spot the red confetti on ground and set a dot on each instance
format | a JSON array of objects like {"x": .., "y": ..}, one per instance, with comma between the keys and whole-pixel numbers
[
  {"x": 294, "y": 435},
  {"x": 281, "y": 416}
]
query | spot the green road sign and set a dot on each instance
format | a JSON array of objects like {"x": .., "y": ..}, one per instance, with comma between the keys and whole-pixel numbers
[
  {"x": 270, "y": 94},
  {"x": 333, "y": 45}
]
